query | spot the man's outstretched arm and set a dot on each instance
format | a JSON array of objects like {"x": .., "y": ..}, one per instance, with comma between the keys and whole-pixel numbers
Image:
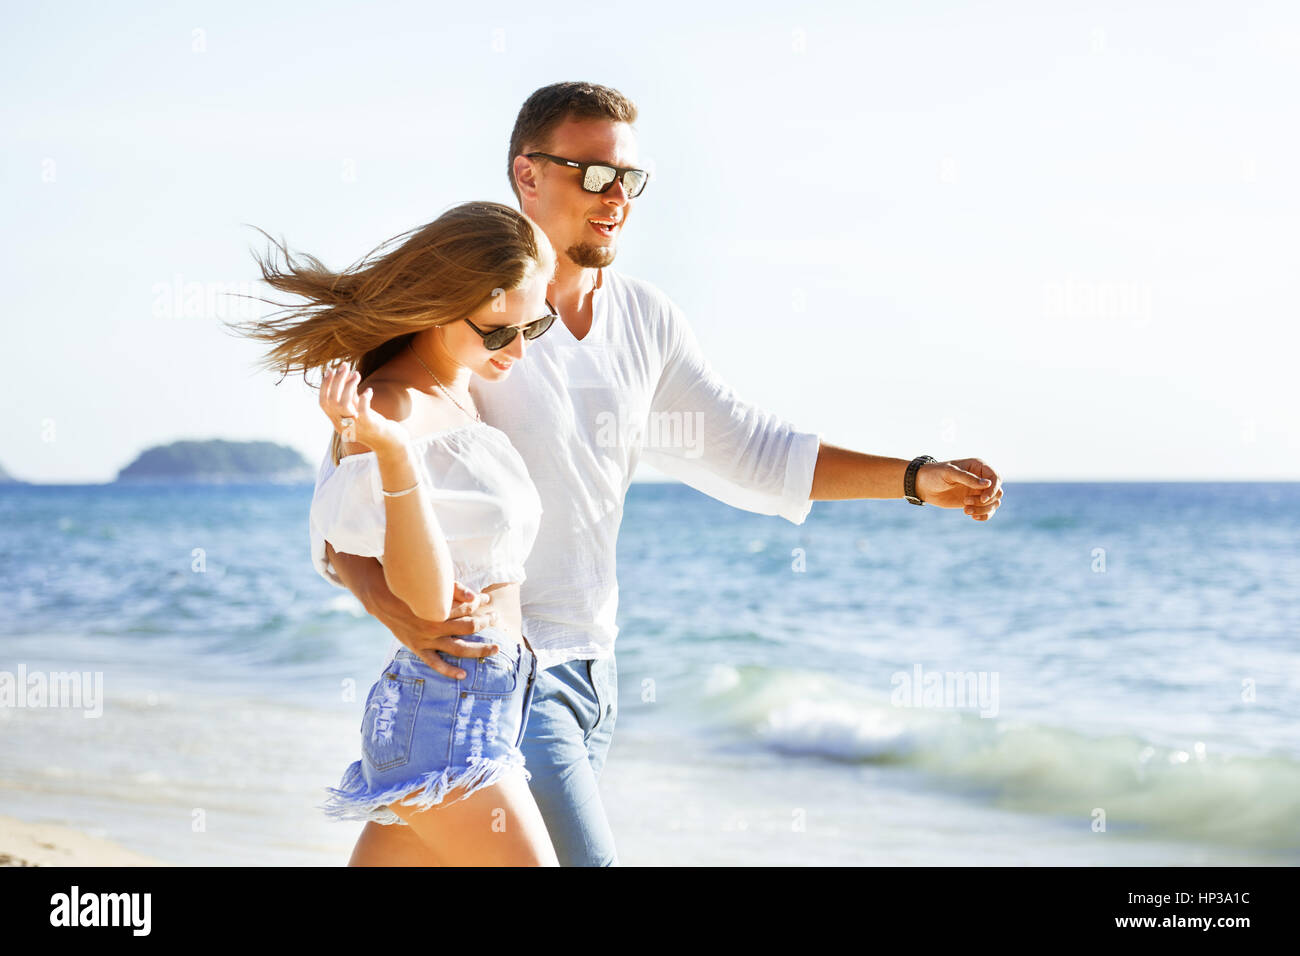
[
  {"x": 364, "y": 577},
  {"x": 752, "y": 459},
  {"x": 966, "y": 483}
]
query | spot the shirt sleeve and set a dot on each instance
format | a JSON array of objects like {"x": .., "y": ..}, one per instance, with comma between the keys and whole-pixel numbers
[
  {"x": 347, "y": 510},
  {"x": 719, "y": 444}
]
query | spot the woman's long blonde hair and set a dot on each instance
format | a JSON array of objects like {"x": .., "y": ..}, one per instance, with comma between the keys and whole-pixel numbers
[{"x": 366, "y": 314}]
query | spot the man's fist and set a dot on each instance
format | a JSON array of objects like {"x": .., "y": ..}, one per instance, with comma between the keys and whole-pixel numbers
[{"x": 963, "y": 483}]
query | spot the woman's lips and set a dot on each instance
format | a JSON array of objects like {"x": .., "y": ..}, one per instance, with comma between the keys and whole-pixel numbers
[{"x": 499, "y": 365}]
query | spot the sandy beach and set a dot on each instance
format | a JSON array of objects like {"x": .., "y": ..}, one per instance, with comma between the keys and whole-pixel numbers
[{"x": 46, "y": 844}]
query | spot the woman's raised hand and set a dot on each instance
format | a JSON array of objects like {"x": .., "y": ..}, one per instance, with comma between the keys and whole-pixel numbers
[{"x": 339, "y": 400}]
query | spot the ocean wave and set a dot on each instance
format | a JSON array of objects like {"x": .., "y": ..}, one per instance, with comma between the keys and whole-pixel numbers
[{"x": 1122, "y": 781}]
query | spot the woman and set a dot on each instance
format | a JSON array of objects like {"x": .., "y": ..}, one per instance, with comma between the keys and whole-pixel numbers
[{"x": 438, "y": 496}]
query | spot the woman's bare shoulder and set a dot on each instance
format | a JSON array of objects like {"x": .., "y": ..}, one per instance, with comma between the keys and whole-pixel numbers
[
  {"x": 400, "y": 398},
  {"x": 390, "y": 398}
]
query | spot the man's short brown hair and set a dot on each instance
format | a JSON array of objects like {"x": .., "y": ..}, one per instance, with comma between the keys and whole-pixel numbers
[{"x": 550, "y": 106}]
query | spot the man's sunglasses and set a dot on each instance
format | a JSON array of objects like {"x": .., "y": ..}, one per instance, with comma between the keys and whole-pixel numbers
[
  {"x": 597, "y": 177},
  {"x": 500, "y": 338}
]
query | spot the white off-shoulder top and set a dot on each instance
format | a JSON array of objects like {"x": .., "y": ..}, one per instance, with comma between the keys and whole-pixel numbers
[{"x": 484, "y": 500}]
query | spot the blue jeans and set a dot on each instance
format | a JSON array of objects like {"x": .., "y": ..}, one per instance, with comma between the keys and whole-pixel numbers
[{"x": 570, "y": 726}]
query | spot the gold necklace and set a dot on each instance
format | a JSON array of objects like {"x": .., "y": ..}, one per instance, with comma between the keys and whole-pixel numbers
[{"x": 445, "y": 391}]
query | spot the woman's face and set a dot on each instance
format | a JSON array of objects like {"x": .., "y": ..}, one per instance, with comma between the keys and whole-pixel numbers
[{"x": 517, "y": 307}]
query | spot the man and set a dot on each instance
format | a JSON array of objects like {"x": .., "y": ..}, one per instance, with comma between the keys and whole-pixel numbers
[{"x": 577, "y": 410}]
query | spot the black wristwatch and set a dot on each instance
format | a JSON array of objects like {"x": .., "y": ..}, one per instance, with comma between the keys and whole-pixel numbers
[{"x": 909, "y": 478}]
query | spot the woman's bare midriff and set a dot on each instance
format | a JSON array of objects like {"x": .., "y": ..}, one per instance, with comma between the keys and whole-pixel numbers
[{"x": 505, "y": 604}]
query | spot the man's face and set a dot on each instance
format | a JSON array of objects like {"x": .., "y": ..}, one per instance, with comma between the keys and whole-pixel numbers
[{"x": 553, "y": 197}]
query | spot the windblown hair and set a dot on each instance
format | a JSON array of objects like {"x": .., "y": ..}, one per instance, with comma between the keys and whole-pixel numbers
[
  {"x": 367, "y": 313},
  {"x": 550, "y": 106}
]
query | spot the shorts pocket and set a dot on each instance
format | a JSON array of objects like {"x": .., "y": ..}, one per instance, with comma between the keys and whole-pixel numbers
[
  {"x": 495, "y": 675},
  {"x": 389, "y": 722}
]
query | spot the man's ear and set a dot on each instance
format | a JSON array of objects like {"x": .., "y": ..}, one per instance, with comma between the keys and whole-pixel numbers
[{"x": 525, "y": 172}]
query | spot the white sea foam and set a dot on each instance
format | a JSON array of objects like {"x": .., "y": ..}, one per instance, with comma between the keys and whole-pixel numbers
[{"x": 834, "y": 729}]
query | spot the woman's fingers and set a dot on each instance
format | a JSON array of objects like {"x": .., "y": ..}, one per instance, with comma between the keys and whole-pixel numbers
[
  {"x": 465, "y": 602},
  {"x": 326, "y": 382},
  {"x": 347, "y": 392},
  {"x": 338, "y": 396},
  {"x": 331, "y": 387}
]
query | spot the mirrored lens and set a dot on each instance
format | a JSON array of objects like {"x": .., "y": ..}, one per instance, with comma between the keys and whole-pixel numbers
[
  {"x": 597, "y": 178},
  {"x": 634, "y": 182}
]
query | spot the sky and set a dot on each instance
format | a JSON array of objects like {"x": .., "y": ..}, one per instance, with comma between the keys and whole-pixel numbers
[{"x": 1058, "y": 237}]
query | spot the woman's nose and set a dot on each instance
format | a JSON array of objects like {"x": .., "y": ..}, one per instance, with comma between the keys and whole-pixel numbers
[{"x": 516, "y": 348}]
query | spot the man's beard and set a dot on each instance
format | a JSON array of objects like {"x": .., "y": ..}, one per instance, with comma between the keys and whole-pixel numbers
[{"x": 589, "y": 255}]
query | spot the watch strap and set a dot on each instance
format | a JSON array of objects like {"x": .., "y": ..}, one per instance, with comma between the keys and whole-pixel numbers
[{"x": 909, "y": 478}]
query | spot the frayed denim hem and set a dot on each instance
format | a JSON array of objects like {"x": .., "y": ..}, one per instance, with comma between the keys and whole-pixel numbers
[{"x": 351, "y": 800}]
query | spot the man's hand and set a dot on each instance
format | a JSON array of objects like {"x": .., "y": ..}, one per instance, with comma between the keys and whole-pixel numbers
[
  {"x": 469, "y": 613},
  {"x": 964, "y": 483}
]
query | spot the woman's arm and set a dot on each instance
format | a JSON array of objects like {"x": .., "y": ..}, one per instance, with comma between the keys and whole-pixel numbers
[{"x": 417, "y": 563}]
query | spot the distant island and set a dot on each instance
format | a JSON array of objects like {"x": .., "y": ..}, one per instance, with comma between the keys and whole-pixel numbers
[
  {"x": 8, "y": 479},
  {"x": 219, "y": 461}
]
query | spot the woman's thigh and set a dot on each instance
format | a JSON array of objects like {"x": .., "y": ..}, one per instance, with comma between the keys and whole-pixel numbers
[
  {"x": 392, "y": 845},
  {"x": 497, "y": 825},
  {"x": 422, "y": 735}
]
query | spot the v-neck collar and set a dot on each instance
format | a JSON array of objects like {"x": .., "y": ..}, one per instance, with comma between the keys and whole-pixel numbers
[{"x": 598, "y": 287}]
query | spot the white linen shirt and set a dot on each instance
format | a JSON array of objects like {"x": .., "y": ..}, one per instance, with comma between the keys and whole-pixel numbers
[{"x": 582, "y": 413}]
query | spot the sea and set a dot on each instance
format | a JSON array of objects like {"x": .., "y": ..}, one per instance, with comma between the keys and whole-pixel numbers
[{"x": 1105, "y": 674}]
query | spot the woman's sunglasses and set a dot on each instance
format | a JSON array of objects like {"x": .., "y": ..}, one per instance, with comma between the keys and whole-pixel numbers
[
  {"x": 500, "y": 338},
  {"x": 597, "y": 177}
]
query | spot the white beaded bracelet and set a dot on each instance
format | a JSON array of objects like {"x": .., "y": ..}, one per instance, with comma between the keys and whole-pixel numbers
[{"x": 398, "y": 494}]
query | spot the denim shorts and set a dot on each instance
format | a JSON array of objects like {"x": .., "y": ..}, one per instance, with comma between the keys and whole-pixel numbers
[{"x": 421, "y": 729}]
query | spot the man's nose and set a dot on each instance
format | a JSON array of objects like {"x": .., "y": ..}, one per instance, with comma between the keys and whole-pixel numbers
[{"x": 616, "y": 194}]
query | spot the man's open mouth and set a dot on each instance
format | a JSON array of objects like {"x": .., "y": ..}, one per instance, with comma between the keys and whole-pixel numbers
[{"x": 605, "y": 227}]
